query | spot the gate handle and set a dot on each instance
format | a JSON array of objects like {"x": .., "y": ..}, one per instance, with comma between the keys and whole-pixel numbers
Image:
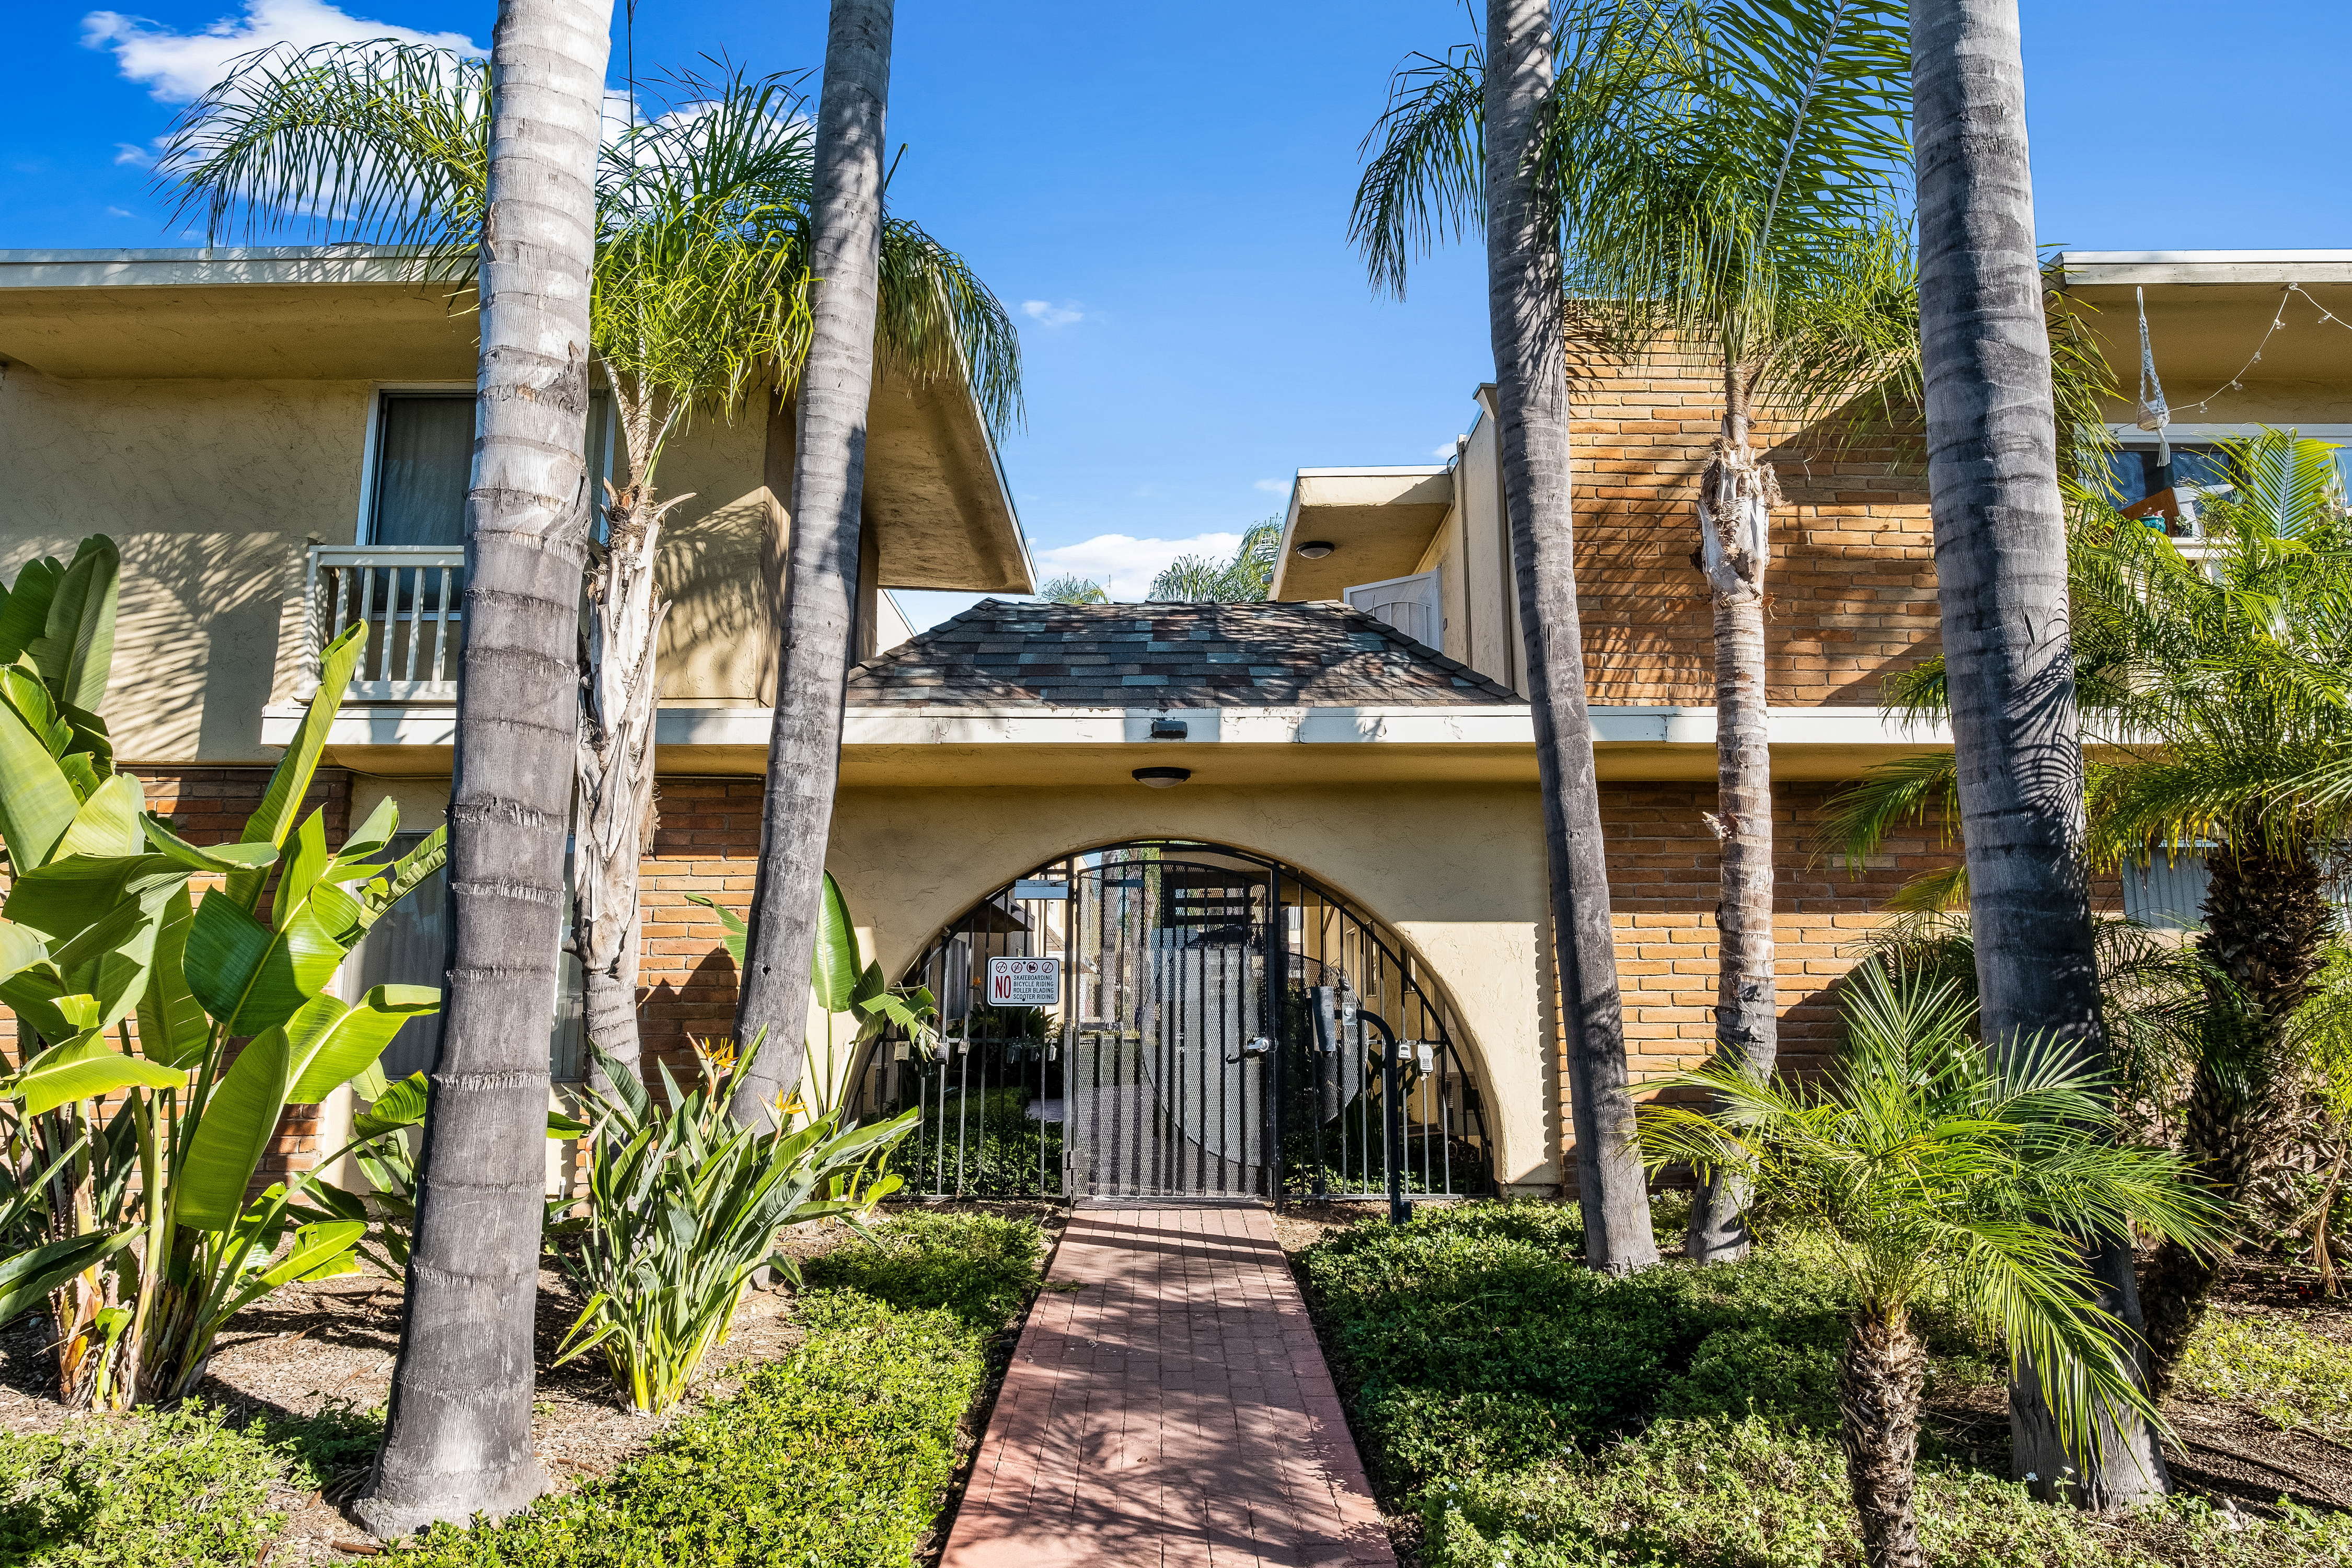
[{"x": 1258, "y": 1047}]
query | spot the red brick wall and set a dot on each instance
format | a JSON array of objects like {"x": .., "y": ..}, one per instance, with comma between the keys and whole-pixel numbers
[
  {"x": 1852, "y": 582},
  {"x": 707, "y": 841}
]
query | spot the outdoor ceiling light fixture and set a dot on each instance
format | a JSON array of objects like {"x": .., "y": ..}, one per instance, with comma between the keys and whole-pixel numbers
[
  {"x": 1160, "y": 778},
  {"x": 1316, "y": 549}
]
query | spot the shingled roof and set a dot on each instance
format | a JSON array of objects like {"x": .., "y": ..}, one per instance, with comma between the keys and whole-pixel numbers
[{"x": 1001, "y": 653}]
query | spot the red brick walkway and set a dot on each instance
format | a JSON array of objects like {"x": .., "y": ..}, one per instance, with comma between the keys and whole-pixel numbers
[{"x": 1173, "y": 1408}]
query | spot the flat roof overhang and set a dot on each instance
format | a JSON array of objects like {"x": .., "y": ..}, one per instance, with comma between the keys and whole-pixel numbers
[
  {"x": 934, "y": 486},
  {"x": 2210, "y": 310},
  {"x": 1381, "y": 519},
  {"x": 965, "y": 748}
]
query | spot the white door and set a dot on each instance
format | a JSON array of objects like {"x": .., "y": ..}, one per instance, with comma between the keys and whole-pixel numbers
[{"x": 1408, "y": 604}]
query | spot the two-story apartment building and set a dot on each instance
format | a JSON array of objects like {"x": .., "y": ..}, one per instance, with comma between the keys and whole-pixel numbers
[{"x": 1202, "y": 827}]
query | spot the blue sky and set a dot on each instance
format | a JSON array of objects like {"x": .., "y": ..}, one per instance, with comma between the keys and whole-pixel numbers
[{"x": 1161, "y": 190}]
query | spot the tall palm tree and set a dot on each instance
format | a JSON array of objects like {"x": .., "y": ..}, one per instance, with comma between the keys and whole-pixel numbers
[
  {"x": 1919, "y": 1162},
  {"x": 2212, "y": 685},
  {"x": 457, "y": 1437},
  {"x": 1727, "y": 175},
  {"x": 2000, "y": 564},
  {"x": 1523, "y": 305},
  {"x": 820, "y": 600},
  {"x": 698, "y": 306}
]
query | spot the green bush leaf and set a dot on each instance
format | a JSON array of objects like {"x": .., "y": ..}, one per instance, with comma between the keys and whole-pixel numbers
[
  {"x": 26, "y": 1278},
  {"x": 76, "y": 647},
  {"x": 249, "y": 978},
  {"x": 238, "y": 1120},
  {"x": 337, "y": 1043},
  {"x": 172, "y": 1028},
  {"x": 108, "y": 823},
  {"x": 402, "y": 1105},
  {"x": 837, "y": 961},
  {"x": 36, "y": 803},
  {"x": 274, "y": 817}
]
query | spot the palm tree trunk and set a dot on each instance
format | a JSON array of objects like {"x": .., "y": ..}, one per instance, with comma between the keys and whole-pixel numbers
[
  {"x": 617, "y": 773},
  {"x": 820, "y": 608},
  {"x": 2001, "y": 564},
  {"x": 2267, "y": 922},
  {"x": 1737, "y": 495},
  {"x": 1525, "y": 305},
  {"x": 457, "y": 1438},
  {"x": 1879, "y": 1378}
]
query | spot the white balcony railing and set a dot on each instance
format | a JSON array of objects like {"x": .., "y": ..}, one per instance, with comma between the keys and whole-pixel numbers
[{"x": 410, "y": 597}]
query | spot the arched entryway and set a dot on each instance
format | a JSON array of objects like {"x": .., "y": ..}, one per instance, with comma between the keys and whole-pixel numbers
[{"x": 1171, "y": 1018}]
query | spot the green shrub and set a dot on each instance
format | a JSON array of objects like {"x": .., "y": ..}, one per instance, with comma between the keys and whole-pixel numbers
[
  {"x": 2295, "y": 1379},
  {"x": 1745, "y": 1494},
  {"x": 179, "y": 1486},
  {"x": 832, "y": 1458}
]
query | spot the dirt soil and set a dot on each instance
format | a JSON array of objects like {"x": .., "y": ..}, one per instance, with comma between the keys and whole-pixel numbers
[{"x": 309, "y": 1349}]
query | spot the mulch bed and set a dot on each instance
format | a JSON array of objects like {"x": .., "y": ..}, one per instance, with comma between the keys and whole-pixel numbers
[{"x": 309, "y": 1349}]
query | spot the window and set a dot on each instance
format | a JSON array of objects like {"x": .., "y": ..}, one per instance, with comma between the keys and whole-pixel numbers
[
  {"x": 410, "y": 946},
  {"x": 2138, "y": 477},
  {"x": 424, "y": 463}
]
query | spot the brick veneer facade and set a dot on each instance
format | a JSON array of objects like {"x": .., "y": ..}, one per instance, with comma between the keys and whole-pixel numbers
[{"x": 1852, "y": 584}]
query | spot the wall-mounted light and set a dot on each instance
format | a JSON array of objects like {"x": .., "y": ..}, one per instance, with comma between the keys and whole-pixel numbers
[
  {"x": 1316, "y": 549},
  {"x": 1160, "y": 778}
]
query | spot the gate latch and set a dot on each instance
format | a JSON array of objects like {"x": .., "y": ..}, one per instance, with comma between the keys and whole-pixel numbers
[{"x": 1258, "y": 1047}]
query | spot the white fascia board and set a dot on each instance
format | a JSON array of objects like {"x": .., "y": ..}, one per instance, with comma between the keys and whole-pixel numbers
[
  {"x": 1503, "y": 724},
  {"x": 274, "y": 264}
]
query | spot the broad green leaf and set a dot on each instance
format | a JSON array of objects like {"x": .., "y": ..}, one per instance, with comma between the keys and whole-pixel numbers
[
  {"x": 76, "y": 647},
  {"x": 111, "y": 958},
  {"x": 406, "y": 874},
  {"x": 107, "y": 825},
  {"x": 26, "y": 1278},
  {"x": 25, "y": 610},
  {"x": 172, "y": 1028},
  {"x": 402, "y": 1105},
  {"x": 870, "y": 985},
  {"x": 274, "y": 818},
  {"x": 302, "y": 867},
  {"x": 731, "y": 929},
  {"x": 371, "y": 836},
  {"x": 216, "y": 858},
  {"x": 85, "y": 1068},
  {"x": 67, "y": 896},
  {"x": 324, "y": 1059},
  {"x": 319, "y": 1251},
  {"x": 21, "y": 947},
  {"x": 837, "y": 962},
  {"x": 249, "y": 978},
  {"x": 561, "y": 1127},
  {"x": 238, "y": 1120},
  {"x": 36, "y": 803}
]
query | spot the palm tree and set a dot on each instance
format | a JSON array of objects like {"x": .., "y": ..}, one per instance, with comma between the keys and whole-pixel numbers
[
  {"x": 698, "y": 306},
  {"x": 457, "y": 1436},
  {"x": 1725, "y": 175},
  {"x": 1244, "y": 577},
  {"x": 820, "y": 607},
  {"x": 1523, "y": 304},
  {"x": 1924, "y": 1165},
  {"x": 1072, "y": 589},
  {"x": 2001, "y": 563},
  {"x": 2212, "y": 685}
]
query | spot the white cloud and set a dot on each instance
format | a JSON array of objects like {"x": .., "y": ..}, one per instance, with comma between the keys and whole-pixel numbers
[
  {"x": 137, "y": 157},
  {"x": 1273, "y": 487},
  {"x": 1124, "y": 564},
  {"x": 178, "y": 68},
  {"x": 1046, "y": 313},
  {"x": 119, "y": 212}
]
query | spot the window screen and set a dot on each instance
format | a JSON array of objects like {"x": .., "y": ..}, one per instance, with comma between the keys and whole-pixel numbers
[{"x": 424, "y": 463}]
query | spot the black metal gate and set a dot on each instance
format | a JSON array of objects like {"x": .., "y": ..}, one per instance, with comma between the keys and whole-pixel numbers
[{"x": 1221, "y": 1028}]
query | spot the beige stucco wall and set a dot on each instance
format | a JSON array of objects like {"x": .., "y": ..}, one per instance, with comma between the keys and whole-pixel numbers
[
  {"x": 1456, "y": 871},
  {"x": 213, "y": 491}
]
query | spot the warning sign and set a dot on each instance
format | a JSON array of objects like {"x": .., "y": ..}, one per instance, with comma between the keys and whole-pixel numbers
[{"x": 1025, "y": 982}]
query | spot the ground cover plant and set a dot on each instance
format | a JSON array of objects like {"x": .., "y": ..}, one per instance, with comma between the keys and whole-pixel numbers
[
  {"x": 1529, "y": 1412},
  {"x": 837, "y": 1452}
]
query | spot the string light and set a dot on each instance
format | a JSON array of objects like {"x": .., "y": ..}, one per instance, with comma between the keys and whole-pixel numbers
[
  {"x": 2324, "y": 313},
  {"x": 2278, "y": 321}
]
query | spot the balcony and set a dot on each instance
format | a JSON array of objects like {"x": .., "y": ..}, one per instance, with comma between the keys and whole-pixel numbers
[{"x": 411, "y": 598}]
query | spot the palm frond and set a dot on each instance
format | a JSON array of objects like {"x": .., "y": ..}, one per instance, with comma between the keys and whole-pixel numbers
[
  {"x": 1860, "y": 817},
  {"x": 1427, "y": 180}
]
